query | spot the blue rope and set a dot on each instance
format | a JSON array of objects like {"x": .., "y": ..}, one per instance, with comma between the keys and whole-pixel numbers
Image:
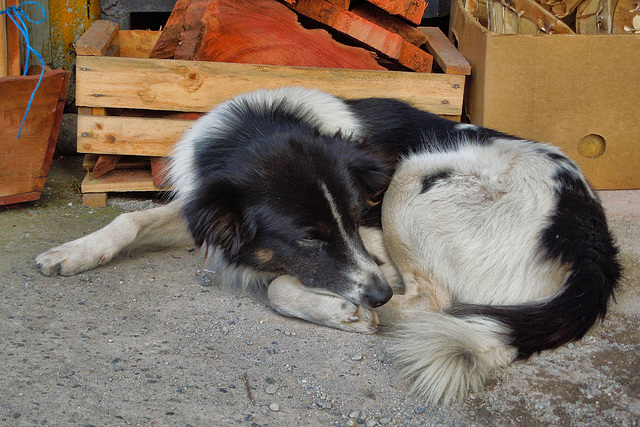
[{"x": 15, "y": 13}]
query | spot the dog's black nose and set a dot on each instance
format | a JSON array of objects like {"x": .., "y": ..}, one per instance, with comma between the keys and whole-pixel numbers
[{"x": 378, "y": 291}]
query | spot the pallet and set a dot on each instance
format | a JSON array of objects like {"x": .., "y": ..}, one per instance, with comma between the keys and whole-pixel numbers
[{"x": 132, "y": 105}]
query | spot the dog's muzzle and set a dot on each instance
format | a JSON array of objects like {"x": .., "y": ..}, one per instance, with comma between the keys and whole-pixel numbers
[{"x": 377, "y": 291}]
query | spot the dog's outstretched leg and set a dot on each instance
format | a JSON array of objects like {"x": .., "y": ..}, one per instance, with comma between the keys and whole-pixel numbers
[
  {"x": 291, "y": 298},
  {"x": 159, "y": 227}
]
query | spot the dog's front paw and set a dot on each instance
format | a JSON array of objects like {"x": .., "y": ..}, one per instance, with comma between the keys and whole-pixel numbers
[
  {"x": 71, "y": 258},
  {"x": 355, "y": 318}
]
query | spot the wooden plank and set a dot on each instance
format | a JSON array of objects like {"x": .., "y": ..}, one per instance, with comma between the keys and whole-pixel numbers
[
  {"x": 381, "y": 40},
  {"x": 105, "y": 163},
  {"x": 234, "y": 31},
  {"x": 5, "y": 201},
  {"x": 391, "y": 23},
  {"x": 120, "y": 181},
  {"x": 344, "y": 4},
  {"x": 95, "y": 200},
  {"x": 4, "y": 60},
  {"x": 126, "y": 162},
  {"x": 136, "y": 43},
  {"x": 134, "y": 136},
  {"x": 159, "y": 170},
  {"x": 411, "y": 10},
  {"x": 164, "y": 84},
  {"x": 97, "y": 39},
  {"x": 446, "y": 55},
  {"x": 13, "y": 45}
]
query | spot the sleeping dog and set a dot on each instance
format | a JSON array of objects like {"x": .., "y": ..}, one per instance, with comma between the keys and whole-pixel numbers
[{"x": 496, "y": 248}]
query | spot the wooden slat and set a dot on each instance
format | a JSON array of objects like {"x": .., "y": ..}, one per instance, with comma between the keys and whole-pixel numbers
[
  {"x": 13, "y": 45},
  {"x": 234, "y": 31},
  {"x": 445, "y": 54},
  {"x": 97, "y": 39},
  {"x": 94, "y": 200},
  {"x": 176, "y": 85},
  {"x": 129, "y": 135},
  {"x": 120, "y": 181},
  {"x": 127, "y": 162},
  {"x": 136, "y": 43},
  {"x": 352, "y": 25},
  {"x": 411, "y": 10},
  {"x": 4, "y": 60},
  {"x": 391, "y": 23}
]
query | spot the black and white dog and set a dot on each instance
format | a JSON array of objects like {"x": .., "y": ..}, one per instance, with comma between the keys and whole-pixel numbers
[{"x": 496, "y": 247}]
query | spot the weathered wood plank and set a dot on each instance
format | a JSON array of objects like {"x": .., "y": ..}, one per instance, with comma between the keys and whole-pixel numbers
[
  {"x": 133, "y": 136},
  {"x": 446, "y": 55},
  {"x": 95, "y": 200},
  {"x": 120, "y": 181},
  {"x": 383, "y": 41},
  {"x": 411, "y": 10},
  {"x": 126, "y": 162},
  {"x": 136, "y": 43},
  {"x": 391, "y": 23},
  {"x": 176, "y": 85},
  {"x": 97, "y": 39},
  {"x": 252, "y": 32}
]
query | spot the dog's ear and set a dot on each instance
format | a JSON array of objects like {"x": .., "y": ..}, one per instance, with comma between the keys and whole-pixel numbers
[
  {"x": 371, "y": 171},
  {"x": 216, "y": 217}
]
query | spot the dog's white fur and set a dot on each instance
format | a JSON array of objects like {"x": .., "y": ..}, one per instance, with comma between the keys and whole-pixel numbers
[{"x": 474, "y": 238}]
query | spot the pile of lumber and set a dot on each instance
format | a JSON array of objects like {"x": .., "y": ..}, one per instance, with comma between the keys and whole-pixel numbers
[
  {"x": 373, "y": 34},
  {"x": 557, "y": 16},
  {"x": 137, "y": 91}
]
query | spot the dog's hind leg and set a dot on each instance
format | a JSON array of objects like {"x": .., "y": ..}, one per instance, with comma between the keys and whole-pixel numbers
[
  {"x": 159, "y": 227},
  {"x": 291, "y": 298}
]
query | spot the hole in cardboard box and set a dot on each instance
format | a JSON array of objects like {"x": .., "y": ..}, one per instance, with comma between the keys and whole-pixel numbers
[{"x": 592, "y": 146}]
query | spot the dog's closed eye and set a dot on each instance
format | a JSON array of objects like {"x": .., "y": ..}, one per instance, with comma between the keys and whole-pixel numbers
[{"x": 312, "y": 237}]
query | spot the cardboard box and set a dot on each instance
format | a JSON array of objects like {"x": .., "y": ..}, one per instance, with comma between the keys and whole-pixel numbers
[{"x": 579, "y": 92}]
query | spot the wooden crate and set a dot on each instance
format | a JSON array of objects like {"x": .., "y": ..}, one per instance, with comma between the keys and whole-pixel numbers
[{"x": 132, "y": 105}]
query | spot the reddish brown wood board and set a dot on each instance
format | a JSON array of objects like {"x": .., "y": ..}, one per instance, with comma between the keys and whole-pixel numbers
[
  {"x": 411, "y": 10},
  {"x": 252, "y": 31},
  {"x": 25, "y": 162},
  {"x": 346, "y": 22},
  {"x": 391, "y": 23}
]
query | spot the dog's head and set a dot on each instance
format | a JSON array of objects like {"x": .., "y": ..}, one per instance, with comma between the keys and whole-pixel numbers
[{"x": 293, "y": 206}]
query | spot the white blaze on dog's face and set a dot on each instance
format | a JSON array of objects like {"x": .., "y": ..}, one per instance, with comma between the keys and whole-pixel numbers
[{"x": 297, "y": 211}]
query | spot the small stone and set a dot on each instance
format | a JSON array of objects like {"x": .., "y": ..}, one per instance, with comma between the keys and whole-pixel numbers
[
  {"x": 249, "y": 342},
  {"x": 385, "y": 420},
  {"x": 351, "y": 423},
  {"x": 371, "y": 423},
  {"x": 322, "y": 404},
  {"x": 271, "y": 389},
  {"x": 356, "y": 357},
  {"x": 274, "y": 407},
  {"x": 205, "y": 280},
  {"x": 354, "y": 414},
  {"x": 84, "y": 277}
]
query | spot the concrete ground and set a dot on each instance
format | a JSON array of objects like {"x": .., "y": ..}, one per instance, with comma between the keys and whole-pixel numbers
[{"x": 150, "y": 340}]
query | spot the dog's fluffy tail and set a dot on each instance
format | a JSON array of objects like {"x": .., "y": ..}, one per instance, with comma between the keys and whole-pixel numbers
[
  {"x": 447, "y": 357},
  {"x": 451, "y": 353}
]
